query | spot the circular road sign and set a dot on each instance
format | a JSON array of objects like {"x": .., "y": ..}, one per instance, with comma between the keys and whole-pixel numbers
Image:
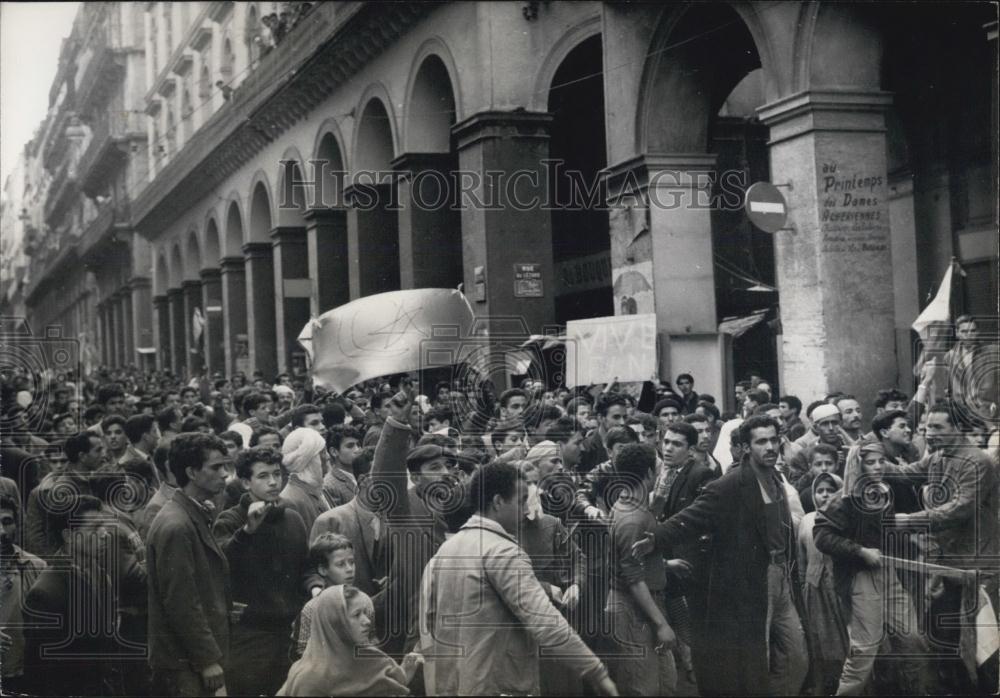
[{"x": 766, "y": 207}]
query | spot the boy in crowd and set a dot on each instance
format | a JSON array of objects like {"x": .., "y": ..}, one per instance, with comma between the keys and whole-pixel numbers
[{"x": 332, "y": 556}]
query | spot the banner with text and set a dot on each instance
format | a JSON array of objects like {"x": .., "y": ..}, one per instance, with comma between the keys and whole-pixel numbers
[{"x": 600, "y": 350}]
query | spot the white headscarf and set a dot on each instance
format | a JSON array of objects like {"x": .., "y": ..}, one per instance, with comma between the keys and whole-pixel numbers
[{"x": 301, "y": 454}]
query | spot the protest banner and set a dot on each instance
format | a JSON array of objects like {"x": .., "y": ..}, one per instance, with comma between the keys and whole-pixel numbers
[
  {"x": 600, "y": 350},
  {"x": 383, "y": 334}
]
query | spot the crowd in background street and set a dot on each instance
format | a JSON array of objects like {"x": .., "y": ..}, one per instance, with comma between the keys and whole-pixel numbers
[{"x": 255, "y": 534}]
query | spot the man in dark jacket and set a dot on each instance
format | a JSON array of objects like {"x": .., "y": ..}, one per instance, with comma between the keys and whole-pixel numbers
[
  {"x": 265, "y": 543},
  {"x": 752, "y": 622},
  {"x": 69, "y": 631},
  {"x": 189, "y": 595}
]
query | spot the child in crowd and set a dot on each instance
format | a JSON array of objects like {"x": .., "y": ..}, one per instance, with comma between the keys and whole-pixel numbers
[
  {"x": 333, "y": 557},
  {"x": 822, "y": 459},
  {"x": 339, "y": 658},
  {"x": 827, "y": 627}
]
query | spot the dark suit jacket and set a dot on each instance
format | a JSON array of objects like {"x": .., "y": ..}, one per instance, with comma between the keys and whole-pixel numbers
[
  {"x": 189, "y": 594},
  {"x": 66, "y": 653},
  {"x": 731, "y": 508},
  {"x": 354, "y": 521}
]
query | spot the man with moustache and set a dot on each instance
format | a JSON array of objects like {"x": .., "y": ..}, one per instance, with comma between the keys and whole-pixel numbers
[{"x": 751, "y": 621}]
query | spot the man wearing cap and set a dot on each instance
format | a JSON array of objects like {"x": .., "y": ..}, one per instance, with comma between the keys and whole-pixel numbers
[
  {"x": 415, "y": 516},
  {"x": 826, "y": 428}
]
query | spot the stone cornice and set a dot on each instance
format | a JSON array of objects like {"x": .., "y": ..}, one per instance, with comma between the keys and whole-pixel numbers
[
  {"x": 501, "y": 124},
  {"x": 640, "y": 170},
  {"x": 336, "y": 41},
  {"x": 826, "y": 110}
]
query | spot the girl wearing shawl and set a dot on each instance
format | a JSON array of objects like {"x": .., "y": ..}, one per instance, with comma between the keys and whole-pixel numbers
[
  {"x": 826, "y": 629},
  {"x": 339, "y": 659},
  {"x": 851, "y": 529}
]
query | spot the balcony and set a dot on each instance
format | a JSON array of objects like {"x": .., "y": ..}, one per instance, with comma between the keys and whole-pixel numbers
[
  {"x": 54, "y": 147},
  {"x": 101, "y": 233},
  {"x": 103, "y": 72},
  {"x": 62, "y": 191},
  {"x": 112, "y": 138}
]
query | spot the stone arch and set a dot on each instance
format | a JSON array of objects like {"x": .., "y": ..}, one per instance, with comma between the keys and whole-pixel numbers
[
  {"x": 433, "y": 100},
  {"x": 683, "y": 63},
  {"x": 375, "y": 137},
  {"x": 292, "y": 197},
  {"x": 838, "y": 45},
  {"x": 261, "y": 210},
  {"x": 234, "y": 227},
  {"x": 192, "y": 255},
  {"x": 330, "y": 158},
  {"x": 213, "y": 250},
  {"x": 161, "y": 275},
  {"x": 176, "y": 268},
  {"x": 557, "y": 54}
]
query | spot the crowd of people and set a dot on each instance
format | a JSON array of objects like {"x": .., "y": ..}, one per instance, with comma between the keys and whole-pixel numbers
[{"x": 257, "y": 537}]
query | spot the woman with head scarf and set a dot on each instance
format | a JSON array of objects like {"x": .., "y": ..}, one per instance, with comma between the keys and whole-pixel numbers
[
  {"x": 340, "y": 659},
  {"x": 826, "y": 627},
  {"x": 302, "y": 453},
  {"x": 852, "y": 530}
]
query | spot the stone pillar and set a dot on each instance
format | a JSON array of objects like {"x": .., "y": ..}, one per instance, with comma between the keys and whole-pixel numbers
[
  {"x": 128, "y": 327},
  {"x": 102, "y": 332},
  {"x": 372, "y": 239},
  {"x": 834, "y": 263},
  {"x": 326, "y": 241},
  {"x": 292, "y": 289},
  {"x": 142, "y": 320},
  {"x": 234, "y": 304},
  {"x": 178, "y": 361},
  {"x": 161, "y": 332},
  {"x": 259, "y": 258},
  {"x": 114, "y": 327},
  {"x": 193, "y": 348},
  {"x": 430, "y": 225},
  {"x": 671, "y": 194},
  {"x": 503, "y": 223},
  {"x": 214, "y": 312}
]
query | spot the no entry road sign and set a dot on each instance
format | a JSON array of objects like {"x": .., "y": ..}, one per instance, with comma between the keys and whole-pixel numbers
[{"x": 765, "y": 207}]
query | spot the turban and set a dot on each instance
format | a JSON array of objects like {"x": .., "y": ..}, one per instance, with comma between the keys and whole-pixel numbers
[
  {"x": 542, "y": 451},
  {"x": 824, "y": 412},
  {"x": 301, "y": 454}
]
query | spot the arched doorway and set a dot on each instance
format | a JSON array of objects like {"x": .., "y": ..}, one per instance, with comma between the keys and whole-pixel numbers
[
  {"x": 234, "y": 293},
  {"x": 375, "y": 232},
  {"x": 326, "y": 226},
  {"x": 259, "y": 257},
  {"x": 291, "y": 265},
  {"x": 430, "y": 225},
  {"x": 581, "y": 246},
  {"x": 211, "y": 296}
]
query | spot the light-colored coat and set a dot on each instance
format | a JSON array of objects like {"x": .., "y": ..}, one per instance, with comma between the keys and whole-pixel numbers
[{"x": 484, "y": 616}]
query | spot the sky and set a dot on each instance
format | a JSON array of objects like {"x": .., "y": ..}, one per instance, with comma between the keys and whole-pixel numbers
[{"x": 30, "y": 36}]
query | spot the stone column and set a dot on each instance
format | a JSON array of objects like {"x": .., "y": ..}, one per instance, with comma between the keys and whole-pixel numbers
[
  {"x": 670, "y": 193},
  {"x": 178, "y": 360},
  {"x": 259, "y": 258},
  {"x": 292, "y": 289},
  {"x": 234, "y": 304},
  {"x": 128, "y": 327},
  {"x": 372, "y": 239},
  {"x": 193, "y": 349},
  {"x": 834, "y": 264},
  {"x": 115, "y": 328},
  {"x": 430, "y": 225},
  {"x": 102, "y": 333},
  {"x": 214, "y": 311},
  {"x": 326, "y": 240},
  {"x": 161, "y": 332},
  {"x": 142, "y": 320}
]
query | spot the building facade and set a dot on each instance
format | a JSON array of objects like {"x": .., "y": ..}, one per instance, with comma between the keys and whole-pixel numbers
[{"x": 602, "y": 147}]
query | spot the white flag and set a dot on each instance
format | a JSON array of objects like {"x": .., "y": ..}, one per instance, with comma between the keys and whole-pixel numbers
[
  {"x": 197, "y": 324},
  {"x": 939, "y": 309}
]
